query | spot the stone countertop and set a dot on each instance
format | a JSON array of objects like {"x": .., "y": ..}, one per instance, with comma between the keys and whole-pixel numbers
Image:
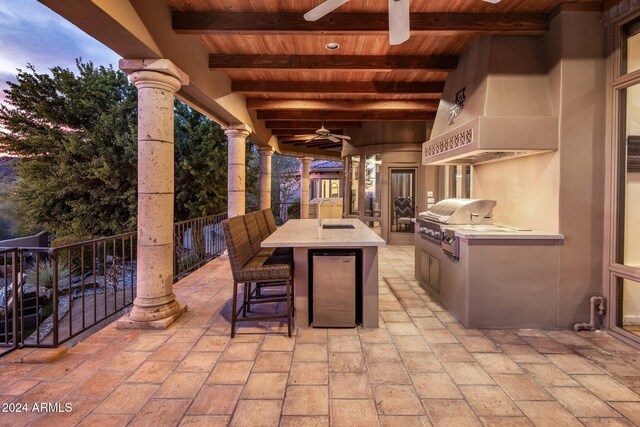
[
  {"x": 494, "y": 231},
  {"x": 304, "y": 233}
]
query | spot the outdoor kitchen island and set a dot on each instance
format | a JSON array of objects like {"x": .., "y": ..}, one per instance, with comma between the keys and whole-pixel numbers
[
  {"x": 501, "y": 277},
  {"x": 304, "y": 236}
]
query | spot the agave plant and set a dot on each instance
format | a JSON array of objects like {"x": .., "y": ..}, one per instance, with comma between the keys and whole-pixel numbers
[{"x": 44, "y": 271}]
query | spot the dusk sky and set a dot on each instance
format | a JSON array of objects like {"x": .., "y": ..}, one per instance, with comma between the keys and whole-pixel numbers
[{"x": 32, "y": 33}]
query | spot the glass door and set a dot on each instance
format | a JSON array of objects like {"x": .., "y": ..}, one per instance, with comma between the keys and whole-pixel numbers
[{"x": 403, "y": 200}]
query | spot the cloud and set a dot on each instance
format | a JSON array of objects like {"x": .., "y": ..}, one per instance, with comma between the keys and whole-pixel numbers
[{"x": 33, "y": 34}]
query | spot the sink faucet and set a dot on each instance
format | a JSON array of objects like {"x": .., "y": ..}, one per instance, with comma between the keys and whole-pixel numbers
[{"x": 320, "y": 210}]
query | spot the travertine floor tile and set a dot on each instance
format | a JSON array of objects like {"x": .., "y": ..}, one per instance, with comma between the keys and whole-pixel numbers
[
  {"x": 388, "y": 373},
  {"x": 181, "y": 385},
  {"x": 452, "y": 353},
  {"x": 215, "y": 343},
  {"x": 381, "y": 353},
  {"x": 478, "y": 344},
  {"x": 344, "y": 344},
  {"x": 230, "y": 373},
  {"x": 523, "y": 354},
  {"x": 273, "y": 361},
  {"x": 354, "y": 413},
  {"x": 238, "y": 351},
  {"x": 127, "y": 399},
  {"x": 496, "y": 363},
  {"x": 349, "y": 386},
  {"x": 422, "y": 362},
  {"x": 581, "y": 403},
  {"x": 521, "y": 387},
  {"x": 198, "y": 362},
  {"x": 607, "y": 388},
  {"x": 631, "y": 410},
  {"x": 405, "y": 328},
  {"x": 546, "y": 345},
  {"x": 215, "y": 400},
  {"x": 251, "y": 413},
  {"x": 277, "y": 343},
  {"x": 265, "y": 386},
  {"x": 468, "y": 373},
  {"x": 98, "y": 386},
  {"x": 446, "y": 413},
  {"x": 489, "y": 401},
  {"x": 306, "y": 400},
  {"x": 310, "y": 353},
  {"x": 309, "y": 373},
  {"x": 397, "y": 400},
  {"x": 548, "y": 414},
  {"x": 160, "y": 412},
  {"x": 411, "y": 344},
  {"x": 152, "y": 372},
  {"x": 312, "y": 336},
  {"x": 573, "y": 364},
  {"x": 548, "y": 375},
  {"x": 506, "y": 422},
  {"x": 435, "y": 386},
  {"x": 205, "y": 421},
  {"x": 346, "y": 362},
  {"x": 375, "y": 336},
  {"x": 404, "y": 421},
  {"x": 101, "y": 420},
  {"x": 304, "y": 421},
  {"x": 395, "y": 316}
]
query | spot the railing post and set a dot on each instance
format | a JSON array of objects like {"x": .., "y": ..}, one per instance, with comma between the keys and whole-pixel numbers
[
  {"x": 55, "y": 298},
  {"x": 14, "y": 294}
]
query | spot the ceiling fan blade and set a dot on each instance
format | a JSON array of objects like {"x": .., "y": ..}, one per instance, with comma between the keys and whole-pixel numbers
[
  {"x": 309, "y": 135},
  {"x": 399, "y": 23},
  {"x": 348, "y": 138},
  {"x": 323, "y": 9},
  {"x": 333, "y": 139},
  {"x": 313, "y": 139}
]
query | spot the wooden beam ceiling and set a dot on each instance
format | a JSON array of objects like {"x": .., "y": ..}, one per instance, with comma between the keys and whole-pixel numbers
[
  {"x": 359, "y": 23},
  {"x": 313, "y": 124},
  {"x": 261, "y": 86},
  {"x": 333, "y": 62},
  {"x": 340, "y": 104},
  {"x": 360, "y": 115}
]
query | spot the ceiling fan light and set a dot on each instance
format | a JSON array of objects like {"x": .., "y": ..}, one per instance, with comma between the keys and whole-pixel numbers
[
  {"x": 332, "y": 46},
  {"x": 491, "y": 1}
]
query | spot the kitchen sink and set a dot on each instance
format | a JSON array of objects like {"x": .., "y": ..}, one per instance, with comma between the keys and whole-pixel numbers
[{"x": 338, "y": 226}]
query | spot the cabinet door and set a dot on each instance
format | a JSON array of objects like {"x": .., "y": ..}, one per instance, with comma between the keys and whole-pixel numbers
[
  {"x": 434, "y": 274},
  {"x": 424, "y": 267}
]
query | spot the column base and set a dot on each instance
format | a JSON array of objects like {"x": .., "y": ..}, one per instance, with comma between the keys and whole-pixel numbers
[{"x": 125, "y": 322}]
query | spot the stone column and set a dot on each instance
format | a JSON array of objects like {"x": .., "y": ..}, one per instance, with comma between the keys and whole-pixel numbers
[
  {"x": 157, "y": 81},
  {"x": 265, "y": 177},
  {"x": 236, "y": 197},
  {"x": 304, "y": 186}
]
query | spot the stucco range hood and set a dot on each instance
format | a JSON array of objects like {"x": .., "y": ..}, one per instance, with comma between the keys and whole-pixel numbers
[
  {"x": 496, "y": 105},
  {"x": 489, "y": 139}
]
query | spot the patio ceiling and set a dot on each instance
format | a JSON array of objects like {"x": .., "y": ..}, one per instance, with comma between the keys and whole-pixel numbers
[{"x": 290, "y": 80}]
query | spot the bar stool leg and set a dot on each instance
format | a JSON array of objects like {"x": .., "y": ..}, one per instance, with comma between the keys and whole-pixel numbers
[
  {"x": 288, "y": 285},
  {"x": 245, "y": 298},
  {"x": 234, "y": 307}
]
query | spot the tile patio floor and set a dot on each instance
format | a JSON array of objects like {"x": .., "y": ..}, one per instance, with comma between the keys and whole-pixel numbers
[{"x": 420, "y": 368}]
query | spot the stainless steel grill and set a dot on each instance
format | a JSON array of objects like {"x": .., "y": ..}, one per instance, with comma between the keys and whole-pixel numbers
[{"x": 453, "y": 212}]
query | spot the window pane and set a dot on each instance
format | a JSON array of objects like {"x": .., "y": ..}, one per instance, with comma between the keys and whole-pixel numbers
[
  {"x": 354, "y": 174},
  {"x": 629, "y": 309},
  {"x": 629, "y": 180},
  {"x": 631, "y": 47},
  {"x": 403, "y": 200},
  {"x": 372, "y": 187}
]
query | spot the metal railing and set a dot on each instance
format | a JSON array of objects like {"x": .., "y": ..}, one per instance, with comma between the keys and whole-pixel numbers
[
  {"x": 196, "y": 241},
  {"x": 283, "y": 212},
  {"x": 50, "y": 295}
]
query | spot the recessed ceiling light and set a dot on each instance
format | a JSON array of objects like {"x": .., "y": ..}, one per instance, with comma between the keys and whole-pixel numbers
[{"x": 332, "y": 46}]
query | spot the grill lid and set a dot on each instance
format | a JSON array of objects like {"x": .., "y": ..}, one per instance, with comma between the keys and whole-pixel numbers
[{"x": 460, "y": 211}]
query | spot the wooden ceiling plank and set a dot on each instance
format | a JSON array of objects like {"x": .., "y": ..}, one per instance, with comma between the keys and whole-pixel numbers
[
  {"x": 313, "y": 124},
  {"x": 359, "y": 23},
  {"x": 374, "y": 87},
  {"x": 333, "y": 62},
  {"x": 350, "y": 104},
  {"x": 366, "y": 115}
]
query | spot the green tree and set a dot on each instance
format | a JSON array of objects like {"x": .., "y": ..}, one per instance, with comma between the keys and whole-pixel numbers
[
  {"x": 201, "y": 166},
  {"x": 76, "y": 133}
]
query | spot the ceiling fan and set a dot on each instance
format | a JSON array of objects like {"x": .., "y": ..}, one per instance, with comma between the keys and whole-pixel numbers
[
  {"x": 324, "y": 133},
  {"x": 399, "y": 25}
]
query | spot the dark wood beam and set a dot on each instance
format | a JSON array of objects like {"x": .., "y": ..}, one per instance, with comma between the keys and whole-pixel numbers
[
  {"x": 342, "y": 104},
  {"x": 313, "y": 125},
  {"x": 333, "y": 62},
  {"x": 258, "y": 86},
  {"x": 359, "y": 23},
  {"x": 370, "y": 115},
  {"x": 292, "y": 132}
]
